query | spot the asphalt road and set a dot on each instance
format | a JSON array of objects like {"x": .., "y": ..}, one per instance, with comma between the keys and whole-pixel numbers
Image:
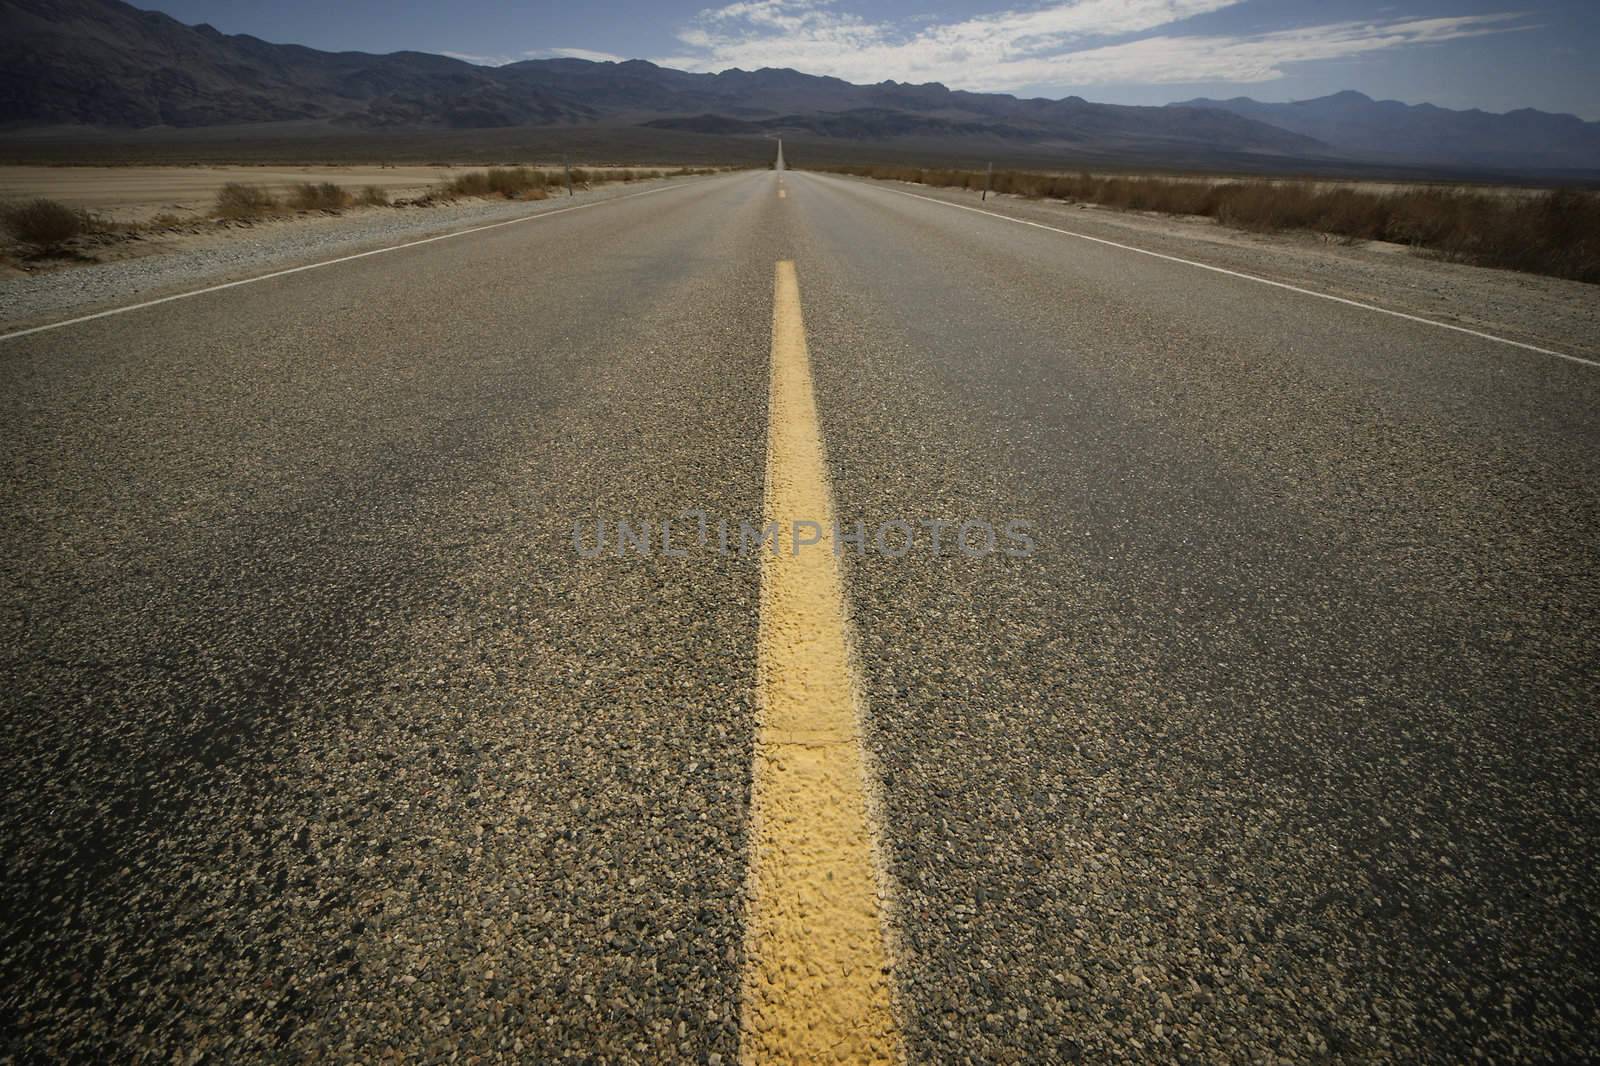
[{"x": 322, "y": 738}]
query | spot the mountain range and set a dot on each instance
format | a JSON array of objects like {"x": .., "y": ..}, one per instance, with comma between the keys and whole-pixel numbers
[
  {"x": 1380, "y": 130},
  {"x": 103, "y": 64}
]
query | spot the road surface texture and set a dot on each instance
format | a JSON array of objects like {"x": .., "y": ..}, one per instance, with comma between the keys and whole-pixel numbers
[{"x": 322, "y": 739}]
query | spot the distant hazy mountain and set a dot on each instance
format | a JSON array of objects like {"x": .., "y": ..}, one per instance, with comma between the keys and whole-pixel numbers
[
  {"x": 1355, "y": 124},
  {"x": 104, "y": 64},
  {"x": 736, "y": 101}
]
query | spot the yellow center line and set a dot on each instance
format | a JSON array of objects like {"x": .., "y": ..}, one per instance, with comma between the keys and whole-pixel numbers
[
  {"x": 782, "y": 195},
  {"x": 816, "y": 976}
]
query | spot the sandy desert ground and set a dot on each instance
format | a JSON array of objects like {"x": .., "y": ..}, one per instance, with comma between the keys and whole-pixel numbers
[{"x": 137, "y": 194}]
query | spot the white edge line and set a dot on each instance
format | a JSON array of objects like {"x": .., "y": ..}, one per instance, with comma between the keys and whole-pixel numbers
[
  {"x": 1251, "y": 277},
  {"x": 534, "y": 217}
]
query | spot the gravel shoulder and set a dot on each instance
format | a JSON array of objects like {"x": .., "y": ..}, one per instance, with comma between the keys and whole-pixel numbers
[
  {"x": 1549, "y": 312},
  {"x": 228, "y": 253}
]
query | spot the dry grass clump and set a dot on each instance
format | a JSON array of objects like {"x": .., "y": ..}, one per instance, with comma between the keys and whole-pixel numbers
[
  {"x": 529, "y": 183},
  {"x": 318, "y": 196},
  {"x": 237, "y": 200},
  {"x": 512, "y": 183},
  {"x": 373, "y": 196},
  {"x": 1555, "y": 233},
  {"x": 44, "y": 225}
]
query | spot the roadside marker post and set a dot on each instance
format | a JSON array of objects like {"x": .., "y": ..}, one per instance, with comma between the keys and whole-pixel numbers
[
  {"x": 988, "y": 180},
  {"x": 568, "y": 167}
]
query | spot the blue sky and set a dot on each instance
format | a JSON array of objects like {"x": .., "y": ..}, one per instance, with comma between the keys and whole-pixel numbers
[{"x": 1455, "y": 53}]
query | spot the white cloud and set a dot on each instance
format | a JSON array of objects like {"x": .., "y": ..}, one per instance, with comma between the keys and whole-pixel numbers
[
  {"x": 1061, "y": 44},
  {"x": 541, "y": 53},
  {"x": 579, "y": 53},
  {"x": 1256, "y": 58},
  {"x": 481, "y": 60}
]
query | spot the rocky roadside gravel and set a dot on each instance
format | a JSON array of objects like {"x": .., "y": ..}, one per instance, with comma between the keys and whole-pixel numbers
[
  {"x": 229, "y": 251},
  {"x": 1533, "y": 309}
]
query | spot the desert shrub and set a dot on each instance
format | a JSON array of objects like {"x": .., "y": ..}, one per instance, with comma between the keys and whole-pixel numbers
[
  {"x": 43, "y": 224},
  {"x": 318, "y": 196},
  {"x": 1033, "y": 186},
  {"x": 1117, "y": 192},
  {"x": 1266, "y": 205},
  {"x": 1174, "y": 197},
  {"x": 1556, "y": 232},
  {"x": 1349, "y": 213},
  {"x": 374, "y": 196},
  {"x": 1430, "y": 217},
  {"x": 513, "y": 183},
  {"x": 530, "y": 183},
  {"x": 236, "y": 200},
  {"x": 472, "y": 183},
  {"x": 1565, "y": 225}
]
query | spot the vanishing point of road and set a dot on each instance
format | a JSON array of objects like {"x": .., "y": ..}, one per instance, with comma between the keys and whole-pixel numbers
[{"x": 1271, "y": 738}]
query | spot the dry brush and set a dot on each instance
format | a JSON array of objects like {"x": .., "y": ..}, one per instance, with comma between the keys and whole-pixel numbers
[{"x": 1556, "y": 232}]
